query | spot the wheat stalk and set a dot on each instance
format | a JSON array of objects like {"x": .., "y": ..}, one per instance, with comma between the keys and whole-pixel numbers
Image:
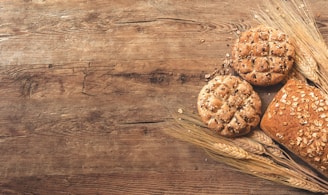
[
  {"x": 200, "y": 136},
  {"x": 247, "y": 154},
  {"x": 272, "y": 172}
]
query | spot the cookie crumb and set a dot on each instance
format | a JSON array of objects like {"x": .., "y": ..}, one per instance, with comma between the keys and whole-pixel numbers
[
  {"x": 207, "y": 76},
  {"x": 180, "y": 111}
]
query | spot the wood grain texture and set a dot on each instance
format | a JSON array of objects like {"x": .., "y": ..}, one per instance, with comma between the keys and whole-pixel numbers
[{"x": 84, "y": 87}]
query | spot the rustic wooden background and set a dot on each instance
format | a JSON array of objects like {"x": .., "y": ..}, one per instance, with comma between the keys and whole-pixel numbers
[{"x": 84, "y": 87}]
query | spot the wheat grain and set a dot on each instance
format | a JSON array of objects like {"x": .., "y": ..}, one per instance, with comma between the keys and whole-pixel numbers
[
  {"x": 249, "y": 145},
  {"x": 230, "y": 150},
  {"x": 274, "y": 151},
  {"x": 301, "y": 183},
  {"x": 270, "y": 148},
  {"x": 307, "y": 66},
  {"x": 259, "y": 136}
]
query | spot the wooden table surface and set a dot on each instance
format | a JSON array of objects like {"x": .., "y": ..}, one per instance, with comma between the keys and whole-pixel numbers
[{"x": 84, "y": 88}]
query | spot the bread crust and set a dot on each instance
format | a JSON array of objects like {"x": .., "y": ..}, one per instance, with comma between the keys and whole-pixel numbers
[
  {"x": 263, "y": 56},
  {"x": 297, "y": 118},
  {"x": 229, "y": 106}
]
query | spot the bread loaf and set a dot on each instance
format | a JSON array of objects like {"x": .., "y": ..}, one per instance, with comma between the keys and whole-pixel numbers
[{"x": 297, "y": 118}]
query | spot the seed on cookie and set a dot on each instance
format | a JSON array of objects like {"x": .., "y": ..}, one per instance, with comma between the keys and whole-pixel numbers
[
  {"x": 229, "y": 106},
  {"x": 263, "y": 56}
]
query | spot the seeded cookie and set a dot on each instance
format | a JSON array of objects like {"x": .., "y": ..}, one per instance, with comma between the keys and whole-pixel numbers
[
  {"x": 229, "y": 106},
  {"x": 263, "y": 56}
]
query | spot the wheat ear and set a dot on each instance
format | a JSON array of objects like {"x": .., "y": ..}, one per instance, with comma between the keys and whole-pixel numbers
[{"x": 246, "y": 155}]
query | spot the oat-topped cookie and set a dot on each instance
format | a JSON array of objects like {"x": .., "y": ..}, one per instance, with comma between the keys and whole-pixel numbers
[
  {"x": 229, "y": 106},
  {"x": 263, "y": 56}
]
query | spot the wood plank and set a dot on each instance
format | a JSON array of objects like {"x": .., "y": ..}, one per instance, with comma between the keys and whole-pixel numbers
[{"x": 85, "y": 86}]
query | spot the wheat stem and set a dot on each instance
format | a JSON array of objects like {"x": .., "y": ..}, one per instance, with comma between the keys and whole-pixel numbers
[{"x": 248, "y": 154}]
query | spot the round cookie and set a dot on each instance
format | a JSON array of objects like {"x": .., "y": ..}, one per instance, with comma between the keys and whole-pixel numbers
[
  {"x": 263, "y": 56},
  {"x": 229, "y": 106}
]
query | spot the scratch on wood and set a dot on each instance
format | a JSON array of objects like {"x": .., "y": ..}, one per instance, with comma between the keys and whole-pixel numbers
[
  {"x": 204, "y": 26},
  {"x": 156, "y": 20},
  {"x": 29, "y": 86},
  {"x": 142, "y": 122},
  {"x": 84, "y": 82},
  {"x": 158, "y": 77}
]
